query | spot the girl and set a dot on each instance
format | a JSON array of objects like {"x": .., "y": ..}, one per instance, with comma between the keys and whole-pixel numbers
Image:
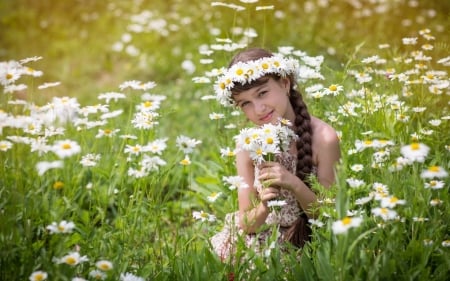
[{"x": 263, "y": 86}]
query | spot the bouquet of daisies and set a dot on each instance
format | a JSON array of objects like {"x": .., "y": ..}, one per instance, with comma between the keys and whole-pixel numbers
[{"x": 265, "y": 143}]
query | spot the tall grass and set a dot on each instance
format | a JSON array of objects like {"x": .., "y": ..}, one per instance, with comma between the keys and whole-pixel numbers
[{"x": 145, "y": 225}]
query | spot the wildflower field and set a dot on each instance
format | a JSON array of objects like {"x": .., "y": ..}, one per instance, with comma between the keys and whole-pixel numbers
[{"x": 117, "y": 162}]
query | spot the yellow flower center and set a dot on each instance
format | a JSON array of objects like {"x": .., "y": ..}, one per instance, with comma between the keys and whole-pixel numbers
[
  {"x": 9, "y": 76},
  {"x": 415, "y": 146},
  {"x": 265, "y": 66},
  {"x": 58, "y": 185},
  {"x": 384, "y": 211},
  {"x": 104, "y": 266},
  {"x": 433, "y": 169},
  {"x": 332, "y": 88},
  {"x": 107, "y": 131},
  {"x": 259, "y": 151},
  {"x": 185, "y": 162},
  {"x": 39, "y": 277},
  {"x": 66, "y": 146},
  {"x": 394, "y": 199},
  {"x": 346, "y": 221},
  {"x": 420, "y": 65},
  {"x": 148, "y": 104},
  {"x": 269, "y": 140},
  {"x": 239, "y": 71},
  {"x": 433, "y": 183},
  {"x": 222, "y": 86},
  {"x": 71, "y": 260},
  {"x": 368, "y": 142}
]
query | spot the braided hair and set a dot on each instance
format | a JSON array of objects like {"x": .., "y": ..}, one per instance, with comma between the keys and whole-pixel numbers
[{"x": 300, "y": 231}]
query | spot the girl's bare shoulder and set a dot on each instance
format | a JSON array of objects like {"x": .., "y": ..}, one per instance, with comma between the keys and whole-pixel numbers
[
  {"x": 325, "y": 143},
  {"x": 323, "y": 133}
]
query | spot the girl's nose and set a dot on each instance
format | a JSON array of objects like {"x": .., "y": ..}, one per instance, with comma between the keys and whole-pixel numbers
[{"x": 260, "y": 107}]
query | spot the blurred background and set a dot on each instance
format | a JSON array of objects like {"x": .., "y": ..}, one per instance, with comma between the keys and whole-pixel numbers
[{"x": 93, "y": 46}]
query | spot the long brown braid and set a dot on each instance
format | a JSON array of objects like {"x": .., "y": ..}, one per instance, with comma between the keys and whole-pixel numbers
[{"x": 300, "y": 231}]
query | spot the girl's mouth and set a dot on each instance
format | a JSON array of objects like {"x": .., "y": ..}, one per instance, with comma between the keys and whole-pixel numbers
[{"x": 267, "y": 117}]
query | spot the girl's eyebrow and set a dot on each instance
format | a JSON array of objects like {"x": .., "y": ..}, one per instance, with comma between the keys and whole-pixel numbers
[
  {"x": 259, "y": 88},
  {"x": 255, "y": 89}
]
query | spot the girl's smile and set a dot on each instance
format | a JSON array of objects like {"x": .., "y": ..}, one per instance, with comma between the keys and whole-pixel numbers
[{"x": 267, "y": 118}]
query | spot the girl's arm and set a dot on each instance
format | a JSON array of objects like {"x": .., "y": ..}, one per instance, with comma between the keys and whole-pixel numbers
[{"x": 253, "y": 209}]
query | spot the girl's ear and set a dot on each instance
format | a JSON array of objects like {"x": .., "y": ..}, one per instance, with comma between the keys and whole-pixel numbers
[{"x": 286, "y": 83}]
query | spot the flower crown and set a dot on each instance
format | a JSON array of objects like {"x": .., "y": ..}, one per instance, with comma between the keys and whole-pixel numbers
[{"x": 249, "y": 71}]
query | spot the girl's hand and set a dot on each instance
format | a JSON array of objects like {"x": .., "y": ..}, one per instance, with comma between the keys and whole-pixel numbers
[
  {"x": 274, "y": 174},
  {"x": 269, "y": 193}
]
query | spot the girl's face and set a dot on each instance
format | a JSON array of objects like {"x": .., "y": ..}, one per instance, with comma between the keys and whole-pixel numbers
[{"x": 266, "y": 103}]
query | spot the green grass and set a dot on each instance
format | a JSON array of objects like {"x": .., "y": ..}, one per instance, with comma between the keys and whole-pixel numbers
[{"x": 144, "y": 225}]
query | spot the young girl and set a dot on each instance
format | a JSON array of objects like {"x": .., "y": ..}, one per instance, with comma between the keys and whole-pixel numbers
[{"x": 263, "y": 86}]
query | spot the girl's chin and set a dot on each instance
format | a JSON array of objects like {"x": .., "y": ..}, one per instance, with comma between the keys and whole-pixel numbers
[{"x": 272, "y": 121}]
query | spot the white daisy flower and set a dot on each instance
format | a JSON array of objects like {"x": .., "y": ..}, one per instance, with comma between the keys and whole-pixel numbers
[
  {"x": 391, "y": 202},
  {"x": 186, "y": 144},
  {"x": 130, "y": 277},
  {"x": 385, "y": 213},
  {"x": 342, "y": 226},
  {"x": 61, "y": 227},
  {"x": 38, "y": 276},
  {"x": 235, "y": 182},
  {"x": 203, "y": 216},
  {"x": 415, "y": 152},
  {"x": 65, "y": 148},
  {"x": 435, "y": 184},
  {"x": 73, "y": 258},
  {"x": 434, "y": 172},
  {"x": 214, "y": 196},
  {"x": 157, "y": 146},
  {"x": 104, "y": 265},
  {"x": 44, "y": 166}
]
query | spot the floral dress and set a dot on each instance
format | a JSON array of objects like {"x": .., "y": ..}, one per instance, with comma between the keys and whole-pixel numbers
[{"x": 224, "y": 242}]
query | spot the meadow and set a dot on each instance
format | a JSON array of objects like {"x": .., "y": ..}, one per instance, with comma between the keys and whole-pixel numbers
[{"x": 116, "y": 159}]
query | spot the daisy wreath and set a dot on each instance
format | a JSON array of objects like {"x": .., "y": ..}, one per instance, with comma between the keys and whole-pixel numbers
[{"x": 249, "y": 71}]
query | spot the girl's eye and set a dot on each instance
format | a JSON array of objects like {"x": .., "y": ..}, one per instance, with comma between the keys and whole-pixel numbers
[
  {"x": 244, "y": 103},
  {"x": 262, "y": 93}
]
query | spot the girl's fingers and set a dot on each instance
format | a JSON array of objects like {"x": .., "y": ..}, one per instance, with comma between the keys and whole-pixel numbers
[{"x": 269, "y": 193}]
